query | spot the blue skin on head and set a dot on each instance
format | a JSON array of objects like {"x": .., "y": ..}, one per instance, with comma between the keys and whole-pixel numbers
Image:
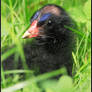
[
  {"x": 45, "y": 17},
  {"x": 35, "y": 16}
]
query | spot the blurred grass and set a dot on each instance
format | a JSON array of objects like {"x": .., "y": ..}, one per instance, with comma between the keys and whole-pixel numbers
[{"x": 15, "y": 16}]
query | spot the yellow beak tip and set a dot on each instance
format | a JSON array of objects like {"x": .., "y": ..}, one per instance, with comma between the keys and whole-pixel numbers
[{"x": 26, "y": 34}]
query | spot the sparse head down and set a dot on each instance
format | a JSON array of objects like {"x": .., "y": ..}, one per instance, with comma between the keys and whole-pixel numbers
[{"x": 51, "y": 9}]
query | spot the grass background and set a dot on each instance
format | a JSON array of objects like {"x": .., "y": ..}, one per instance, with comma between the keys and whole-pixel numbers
[{"x": 15, "y": 16}]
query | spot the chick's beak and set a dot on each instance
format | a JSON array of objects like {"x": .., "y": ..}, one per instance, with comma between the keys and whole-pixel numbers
[{"x": 32, "y": 31}]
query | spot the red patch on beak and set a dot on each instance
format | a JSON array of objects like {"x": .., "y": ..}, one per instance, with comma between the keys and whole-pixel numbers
[{"x": 32, "y": 31}]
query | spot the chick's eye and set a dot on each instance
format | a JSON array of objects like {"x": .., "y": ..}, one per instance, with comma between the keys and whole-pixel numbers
[{"x": 49, "y": 22}]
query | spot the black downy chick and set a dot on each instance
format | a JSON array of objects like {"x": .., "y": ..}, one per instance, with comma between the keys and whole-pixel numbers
[{"x": 53, "y": 44}]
